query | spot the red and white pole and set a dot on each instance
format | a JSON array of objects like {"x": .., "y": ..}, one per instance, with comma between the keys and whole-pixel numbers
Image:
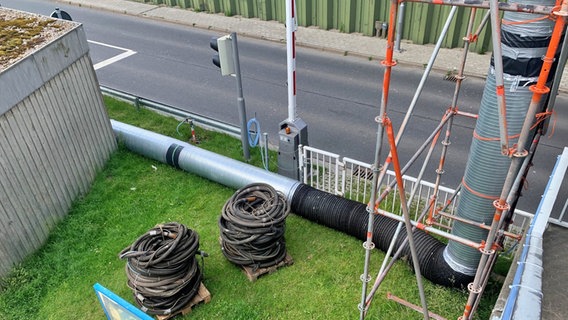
[{"x": 291, "y": 26}]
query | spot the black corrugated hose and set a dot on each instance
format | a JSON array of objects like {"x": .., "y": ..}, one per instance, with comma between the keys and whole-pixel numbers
[
  {"x": 352, "y": 218},
  {"x": 161, "y": 268},
  {"x": 252, "y": 226}
]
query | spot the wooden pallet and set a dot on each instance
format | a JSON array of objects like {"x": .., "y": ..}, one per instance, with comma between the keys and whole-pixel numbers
[
  {"x": 203, "y": 295},
  {"x": 253, "y": 274}
]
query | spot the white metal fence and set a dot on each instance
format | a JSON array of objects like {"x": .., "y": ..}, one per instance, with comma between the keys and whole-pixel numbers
[{"x": 352, "y": 179}]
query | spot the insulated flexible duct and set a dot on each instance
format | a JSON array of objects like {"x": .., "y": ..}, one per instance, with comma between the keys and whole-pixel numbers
[
  {"x": 182, "y": 155},
  {"x": 351, "y": 217},
  {"x": 524, "y": 40}
]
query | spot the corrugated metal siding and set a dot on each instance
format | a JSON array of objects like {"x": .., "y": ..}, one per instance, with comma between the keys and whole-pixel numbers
[
  {"x": 52, "y": 144},
  {"x": 422, "y": 23}
]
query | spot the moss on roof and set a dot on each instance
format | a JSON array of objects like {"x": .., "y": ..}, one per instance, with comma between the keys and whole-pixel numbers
[{"x": 22, "y": 33}]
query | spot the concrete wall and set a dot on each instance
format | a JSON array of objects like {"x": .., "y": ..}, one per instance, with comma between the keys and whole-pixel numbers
[{"x": 55, "y": 136}]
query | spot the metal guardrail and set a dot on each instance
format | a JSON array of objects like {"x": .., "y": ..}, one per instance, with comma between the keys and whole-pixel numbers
[{"x": 199, "y": 120}]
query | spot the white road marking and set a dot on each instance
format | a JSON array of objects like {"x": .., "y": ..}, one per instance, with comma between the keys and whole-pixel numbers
[{"x": 127, "y": 53}]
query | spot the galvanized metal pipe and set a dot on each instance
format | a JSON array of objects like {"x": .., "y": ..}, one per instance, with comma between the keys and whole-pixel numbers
[
  {"x": 406, "y": 215},
  {"x": 384, "y": 270},
  {"x": 453, "y": 108},
  {"x": 432, "y": 141},
  {"x": 449, "y": 236},
  {"x": 426, "y": 73},
  {"x": 240, "y": 98},
  {"x": 499, "y": 84},
  {"x": 388, "y": 63}
]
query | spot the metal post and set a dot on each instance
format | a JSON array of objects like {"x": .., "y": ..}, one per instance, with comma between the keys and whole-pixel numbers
[
  {"x": 556, "y": 82},
  {"x": 240, "y": 98},
  {"x": 499, "y": 83},
  {"x": 406, "y": 214},
  {"x": 265, "y": 138},
  {"x": 378, "y": 173},
  {"x": 399, "y": 26},
  {"x": 453, "y": 107},
  {"x": 291, "y": 57}
]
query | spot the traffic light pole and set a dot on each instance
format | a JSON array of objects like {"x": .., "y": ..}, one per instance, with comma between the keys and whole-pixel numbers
[{"x": 240, "y": 98}]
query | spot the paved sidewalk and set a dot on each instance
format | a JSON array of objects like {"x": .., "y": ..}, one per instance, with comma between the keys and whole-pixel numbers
[{"x": 352, "y": 44}]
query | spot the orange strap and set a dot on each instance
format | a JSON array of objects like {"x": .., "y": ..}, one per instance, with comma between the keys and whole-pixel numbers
[
  {"x": 478, "y": 137},
  {"x": 551, "y": 16},
  {"x": 479, "y": 194},
  {"x": 507, "y": 22},
  {"x": 540, "y": 117}
]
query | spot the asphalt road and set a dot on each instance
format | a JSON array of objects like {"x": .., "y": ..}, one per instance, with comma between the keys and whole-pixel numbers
[{"x": 338, "y": 96}]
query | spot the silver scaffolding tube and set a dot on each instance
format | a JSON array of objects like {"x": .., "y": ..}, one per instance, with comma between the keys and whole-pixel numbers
[
  {"x": 368, "y": 244},
  {"x": 409, "y": 112},
  {"x": 499, "y": 83}
]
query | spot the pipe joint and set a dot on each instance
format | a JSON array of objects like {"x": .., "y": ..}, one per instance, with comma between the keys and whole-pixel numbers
[
  {"x": 520, "y": 154},
  {"x": 446, "y": 143},
  {"x": 369, "y": 245},
  {"x": 542, "y": 90},
  {"x": 474, "y": 289},
  {"x": 365, "y": 279},
  {"x": 440, "y": 171},
  {"x": 379, "y": 119},
  {"x": 388, "y": 63},
  {"x": 501, "y": 206},
  {"x": 487, "y": 252}
]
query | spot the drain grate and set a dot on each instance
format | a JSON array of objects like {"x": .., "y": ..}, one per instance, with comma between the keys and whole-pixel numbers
[
  {"x": 451, "y": 77},
  {"x": 364, "y": 173}
]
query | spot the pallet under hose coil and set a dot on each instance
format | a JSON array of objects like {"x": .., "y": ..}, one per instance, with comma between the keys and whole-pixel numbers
[
  {"x": 252, "y": 226},
  {"x": 161, "y": 268}
]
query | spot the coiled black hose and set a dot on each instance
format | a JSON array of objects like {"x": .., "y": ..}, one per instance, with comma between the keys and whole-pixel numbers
[
  {"x": 252, "y": 226},
  {"x": 161, "y": 268},
  {"x": 351, "y": 217}
]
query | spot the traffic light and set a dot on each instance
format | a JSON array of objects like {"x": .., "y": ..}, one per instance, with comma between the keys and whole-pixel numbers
[{"x": 224, "y": 57}]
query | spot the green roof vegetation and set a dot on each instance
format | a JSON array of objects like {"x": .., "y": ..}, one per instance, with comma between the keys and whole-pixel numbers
[{"x": 20, "y": 34}]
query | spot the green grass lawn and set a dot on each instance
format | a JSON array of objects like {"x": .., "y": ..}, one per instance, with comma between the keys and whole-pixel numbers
[{"x": 132, "y": 194}]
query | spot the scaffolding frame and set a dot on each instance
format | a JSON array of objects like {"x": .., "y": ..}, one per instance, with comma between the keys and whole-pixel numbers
[{"x": 521, "y": 158}]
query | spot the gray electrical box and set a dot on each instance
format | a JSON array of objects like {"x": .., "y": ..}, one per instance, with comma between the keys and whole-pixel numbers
[{"x": 292, "y": 134}]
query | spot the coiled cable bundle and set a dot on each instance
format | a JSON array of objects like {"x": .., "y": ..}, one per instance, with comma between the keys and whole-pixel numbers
[
  {"x": 161, "y": 268},
  {"x": 252, "y": 226}
]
